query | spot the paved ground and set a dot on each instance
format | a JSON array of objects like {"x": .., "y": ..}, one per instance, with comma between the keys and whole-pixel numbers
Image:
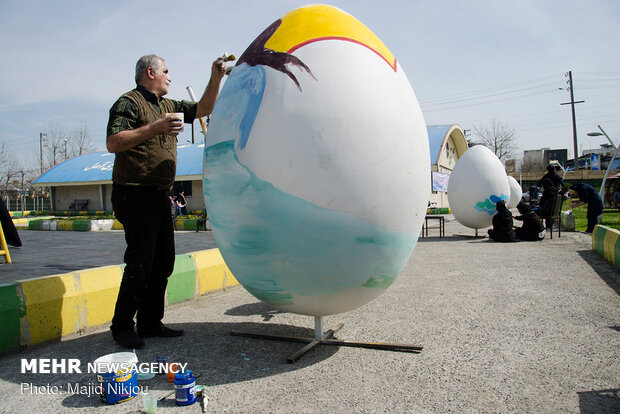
[
  {"x": 54, "y": 252},
  {"x": 506, "y": 328}
]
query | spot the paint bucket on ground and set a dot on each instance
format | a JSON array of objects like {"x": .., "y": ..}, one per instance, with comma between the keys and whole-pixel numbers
[{"x": 117, "y": 376}]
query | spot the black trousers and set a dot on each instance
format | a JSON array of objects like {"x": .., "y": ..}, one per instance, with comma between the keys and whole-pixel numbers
[{"x": 149, "y": 258}]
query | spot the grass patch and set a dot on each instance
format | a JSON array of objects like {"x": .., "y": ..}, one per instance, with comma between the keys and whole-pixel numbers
[{"x": 611, "y": 217}]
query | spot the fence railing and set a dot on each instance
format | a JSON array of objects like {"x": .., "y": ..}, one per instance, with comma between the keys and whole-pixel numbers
[{"x": 28, "y": 204}]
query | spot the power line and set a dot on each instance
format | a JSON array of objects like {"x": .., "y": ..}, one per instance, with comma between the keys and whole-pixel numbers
[
  {"x": 464, "y": 99},
  {"x": 486, "y": 102},
  {"x": 485, "y": 90}
]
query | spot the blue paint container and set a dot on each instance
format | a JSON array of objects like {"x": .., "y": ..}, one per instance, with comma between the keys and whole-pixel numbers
[
  {"x": 117, "y": 377},
  {"x": 185, "y": 388}
]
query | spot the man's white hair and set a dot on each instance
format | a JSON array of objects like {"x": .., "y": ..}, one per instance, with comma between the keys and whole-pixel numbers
[{"x": 144, "y": 63}]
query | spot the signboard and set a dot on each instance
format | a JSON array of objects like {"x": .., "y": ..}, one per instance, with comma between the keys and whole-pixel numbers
[
  {"x": 595, "y": 162},
  {"x": 440, "y": 181}
]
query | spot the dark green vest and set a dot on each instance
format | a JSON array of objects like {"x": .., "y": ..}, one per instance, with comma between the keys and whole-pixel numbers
[{"x": 152, "y": 162}]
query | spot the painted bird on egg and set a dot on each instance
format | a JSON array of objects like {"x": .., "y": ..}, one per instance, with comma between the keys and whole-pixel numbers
[{"x": 316, "y": 167}]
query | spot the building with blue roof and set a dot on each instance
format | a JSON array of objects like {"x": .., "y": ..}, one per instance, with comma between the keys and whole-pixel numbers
[
  {"x": 447, "y": 144},
  {"x": 89, "y": 176}
]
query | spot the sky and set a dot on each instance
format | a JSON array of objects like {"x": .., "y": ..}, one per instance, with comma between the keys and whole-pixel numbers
[{"x": 65, "y": 62}]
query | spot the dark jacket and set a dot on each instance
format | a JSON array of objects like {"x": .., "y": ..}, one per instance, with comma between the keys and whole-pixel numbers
[
  {"x": 502, "y": 224},
  {"x": 553, "y": 176},
  {"x": 533, "y": 228},
  {"x": 589, "y": 195},
  {"x": 549, "y": 192}
]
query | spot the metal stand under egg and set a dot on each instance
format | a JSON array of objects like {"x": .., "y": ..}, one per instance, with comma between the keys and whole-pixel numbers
[{"x": 321, "y": 338}]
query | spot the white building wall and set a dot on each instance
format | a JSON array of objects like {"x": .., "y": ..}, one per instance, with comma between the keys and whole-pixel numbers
[{"x": 65, "y": 195}]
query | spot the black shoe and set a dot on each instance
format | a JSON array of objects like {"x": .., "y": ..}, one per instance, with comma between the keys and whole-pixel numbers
[
  {"x": 160, "y": 330},
  {"x": 128, "y": 339}
]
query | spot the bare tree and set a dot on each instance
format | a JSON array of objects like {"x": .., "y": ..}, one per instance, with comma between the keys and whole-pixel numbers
[
  {"x": 9, "y": 172},
  {"x": 80, "y": 142},
  {"x": 3, "y": 152},
  {"x": 59, "y": 146},
  {"x": 53, "y": 145},
  {"x": 8, "y": 166},
  {"x": 499, "y": 138},
  {"x": 10, "y": 169}
]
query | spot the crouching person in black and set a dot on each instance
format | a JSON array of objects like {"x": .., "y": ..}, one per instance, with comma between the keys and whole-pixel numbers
[
  {"x": 533, "y": 228},
  {"x": 502, "y": 230}
]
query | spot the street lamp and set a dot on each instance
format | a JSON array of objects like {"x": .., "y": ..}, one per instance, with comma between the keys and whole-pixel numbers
[
  {"x": 65, "y": 149},
  {"x": 613, "y": 157}
]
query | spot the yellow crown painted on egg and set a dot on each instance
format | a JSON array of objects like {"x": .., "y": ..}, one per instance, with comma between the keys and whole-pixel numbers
[{"x": 319, "y": 22}]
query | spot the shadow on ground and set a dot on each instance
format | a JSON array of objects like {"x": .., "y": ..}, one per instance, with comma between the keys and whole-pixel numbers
[
  {"x": 208, "y": 348},
  {"x": 599, "y": 401},
  {"x": 606, "y": 271},
  {"x": 259, "y": 308}
]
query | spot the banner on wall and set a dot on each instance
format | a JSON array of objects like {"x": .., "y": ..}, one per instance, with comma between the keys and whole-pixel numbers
[
  {"x": 595, "y": 162},
  {"x": 440, "y": 181}
]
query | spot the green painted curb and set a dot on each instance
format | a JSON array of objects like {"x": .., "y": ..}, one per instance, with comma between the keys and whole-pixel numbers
[
  {"x": 81, "y": 225},
  {"x": 86, "y": 225},
  {"x": 18, "y": 331},
  {"x": 35, "y": 225},
  {"x": 189, "y": 224},
  {"x": 598, "y": 240},
  {"x": 440, "y": 210},
  {"x": 598, "y": 245},
  {"x": 11, "y": 310},
  {"x": 182, "y": 282}
]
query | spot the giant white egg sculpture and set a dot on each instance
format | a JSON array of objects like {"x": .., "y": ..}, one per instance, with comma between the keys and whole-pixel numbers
[
  {"x": 515, "y": 192},
  {"x": 478, "y": 181},
  {"x": 317, "y": 168}
]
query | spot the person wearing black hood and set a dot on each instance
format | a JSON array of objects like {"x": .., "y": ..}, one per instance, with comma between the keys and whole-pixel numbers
[
  {"x": 552, "y": 174},
  {"x": 546, "y": 201},
  {"x": 502, "y": 230},
  {"x": 587, "y": 194},
  {"x": 533, "y": 228}
]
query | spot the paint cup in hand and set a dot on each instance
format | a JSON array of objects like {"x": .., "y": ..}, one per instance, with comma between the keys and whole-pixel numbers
[{"x": 178, "y": 116}]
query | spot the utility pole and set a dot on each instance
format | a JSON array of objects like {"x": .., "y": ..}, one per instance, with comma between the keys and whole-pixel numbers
[
  {"x": 572, "y": 104},
  {"x": 41, "y": 134}
]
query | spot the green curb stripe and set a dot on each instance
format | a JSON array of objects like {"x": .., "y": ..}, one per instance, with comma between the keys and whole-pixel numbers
[
  {"x": 185, "y": 224},
  {"x": 35, "y": 225},
  {"x": 189, "y": 224},
  {"x": 81, "y": 225},
  {"x": 606, "y": 243},
  {"x": 182, "y": 282},
  {"x": 31, "y": 312},
  {"x": 598, "y": 240},
  {"x": 11, "y": 310}
]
